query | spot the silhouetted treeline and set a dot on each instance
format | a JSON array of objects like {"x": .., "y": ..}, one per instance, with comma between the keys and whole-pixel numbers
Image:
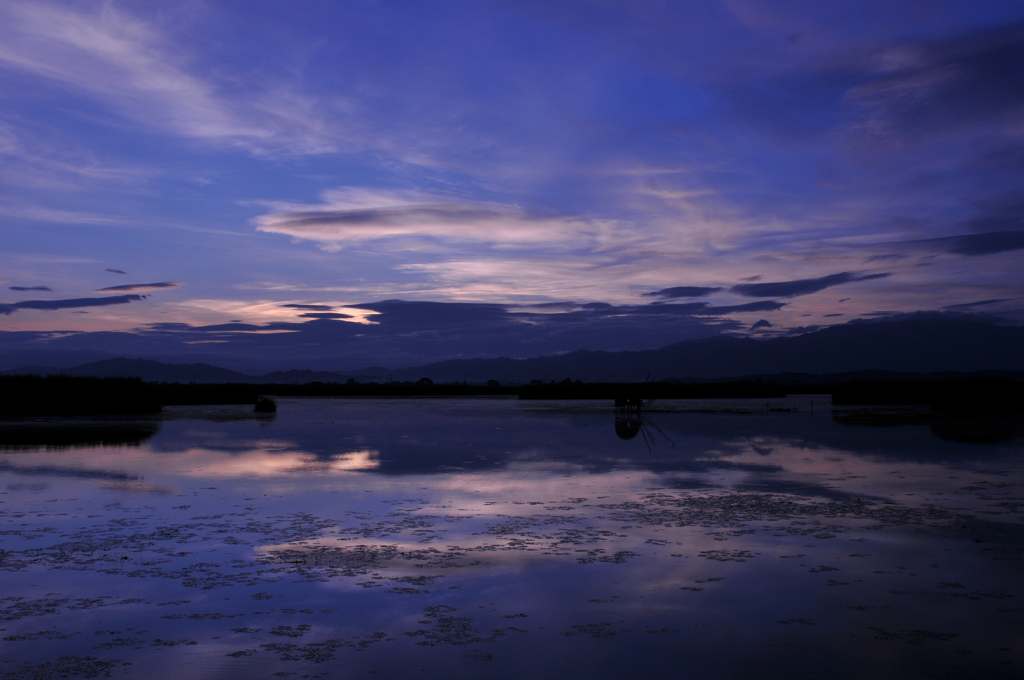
[
  {"x": 974, "y": 394},
  {"x": 658, "y": 390},
  {"x": 63, "y": 395},
  {"x": 978, "y": 410},
  {"x": 247, "y": 394},
  {"x": 982, "y": 394},
  {"x": 69, "y": 433},
  {"x": 29, "y": 395},
  {"x": 237, "y": 393}
]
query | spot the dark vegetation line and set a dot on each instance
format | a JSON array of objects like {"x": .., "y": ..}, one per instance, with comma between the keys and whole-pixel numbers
[
  {"x": 22, "y": 395},
  {"x": 28, "y": 395}
]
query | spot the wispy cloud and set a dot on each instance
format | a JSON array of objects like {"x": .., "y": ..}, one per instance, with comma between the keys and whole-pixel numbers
[
  {"x": 352, "y": 216},
  {"x": 27, "y": 288},
  {"x": 46, "y": 214},
  {"x": 949, "y": 83},
  {"x": 111, "y": 55},
  {"x": 44, "y": 158},
  {"x": 144, "y": 75}
]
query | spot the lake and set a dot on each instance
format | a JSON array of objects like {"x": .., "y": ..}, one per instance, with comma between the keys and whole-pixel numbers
[{"x": 439, "y": 538}]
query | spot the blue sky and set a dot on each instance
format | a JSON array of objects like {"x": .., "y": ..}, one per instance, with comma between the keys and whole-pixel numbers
[{"x": 527, "y": 177}]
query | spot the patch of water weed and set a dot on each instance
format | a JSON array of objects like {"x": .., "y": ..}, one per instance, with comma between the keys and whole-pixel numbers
[
  {"x": 594, "y": 630},
  {"x": 22, "y": 607},
  {"x": 65, "y": 667},
  {"x": 126, "y": 547},
  {"x": 138, "y": 643},
  {"x": 735, "y": 509},
  {"x": 595, "y": 556},
  {"x": 349, "y": 561},
  {"x": 171, "y": 643},
  {"x": 318, "y": 652},
  {"x": 913, "y": 637},
  {"x": 728, "y": 555},
  {"x": 290, "y": 631},
  {"x": 417, "y": 580},
  {"x": 423, "y": 526},
  {"x": 526, "y": 525},
  {"x": 446, "y": 629},
  {"x": 242, "y": 652},
  {"x": 41, "y": 635},
  {"x": 406, "y": 591}
]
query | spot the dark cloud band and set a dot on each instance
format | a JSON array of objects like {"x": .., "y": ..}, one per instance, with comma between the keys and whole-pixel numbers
[
  {"x": 70, "y": 304},
  {"x": 988, "y": 243},
  {"x": 140, "y": 287},
  {"x": 799, "y": 287},
  {"x": 311, "y": 308},
  {"x": 763, "y": 306},
  {"x": 979, "y": 303},
  {"x": 410, "y": 333},
  {"x": 325, "y": 315},
  {"x": 683, "y": 292}
]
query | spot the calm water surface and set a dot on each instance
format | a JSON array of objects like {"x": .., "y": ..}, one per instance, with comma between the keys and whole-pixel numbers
[{"x": 505, "y": 539}]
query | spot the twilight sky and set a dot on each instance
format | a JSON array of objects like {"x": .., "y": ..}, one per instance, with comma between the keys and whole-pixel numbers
[{"x": 270, "y": 185}]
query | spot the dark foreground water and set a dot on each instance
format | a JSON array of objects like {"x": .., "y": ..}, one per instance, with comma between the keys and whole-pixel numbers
[{"x": 505, "y": 539}]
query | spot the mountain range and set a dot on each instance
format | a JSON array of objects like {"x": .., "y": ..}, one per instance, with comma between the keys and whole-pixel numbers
[{"x": 910, "y": 345}]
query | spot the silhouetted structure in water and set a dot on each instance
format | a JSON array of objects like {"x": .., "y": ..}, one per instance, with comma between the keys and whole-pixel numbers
[
  {"x": 628, "y": 426},
  {"x": 628, "y": 404},
  {"x": 265, "y": 405},
  {"x": 629, "y": 421}
]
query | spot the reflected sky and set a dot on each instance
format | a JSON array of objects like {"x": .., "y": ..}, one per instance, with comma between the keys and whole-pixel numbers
[{"x": 498, "y": 538}]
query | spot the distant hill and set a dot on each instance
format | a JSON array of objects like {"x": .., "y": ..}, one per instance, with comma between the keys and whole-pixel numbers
[
  {"x": 907, "y": 346},
  {"x": 916, "y": 345}
]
